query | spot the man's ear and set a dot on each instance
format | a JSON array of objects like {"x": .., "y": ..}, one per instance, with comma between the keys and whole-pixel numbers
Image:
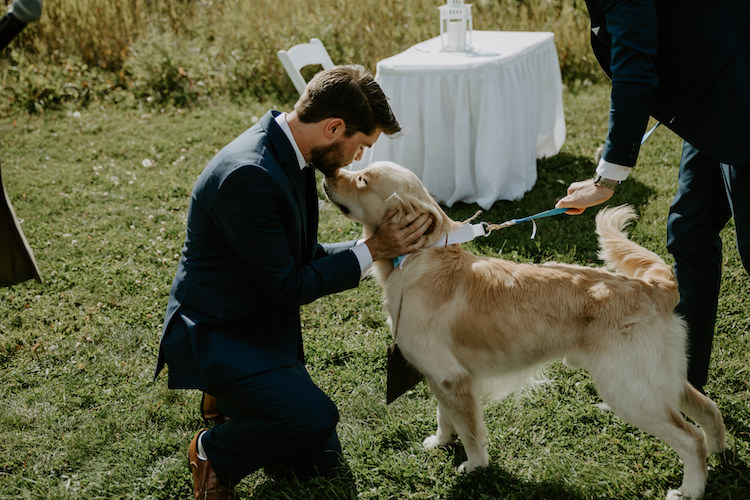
[{"x": 334, "y": 126}]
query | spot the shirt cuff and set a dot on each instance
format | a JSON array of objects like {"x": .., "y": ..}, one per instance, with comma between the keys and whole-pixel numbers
[
  {"x": 363, "y": 256},
  {"x": 612, "y": 171}
]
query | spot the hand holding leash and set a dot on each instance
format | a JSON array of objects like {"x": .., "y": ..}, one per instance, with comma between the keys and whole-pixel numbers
[{"x": 582, "y": 195}]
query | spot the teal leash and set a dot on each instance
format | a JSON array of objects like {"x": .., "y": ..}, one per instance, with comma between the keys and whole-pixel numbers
[
  {"x": 648, "y": 134},
  {"x": 487, "y": 228},
  {"x": 547, "y": 213}
]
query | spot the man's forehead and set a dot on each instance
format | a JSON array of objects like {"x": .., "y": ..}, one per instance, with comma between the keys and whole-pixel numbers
[{"x": 369, "y": 140}]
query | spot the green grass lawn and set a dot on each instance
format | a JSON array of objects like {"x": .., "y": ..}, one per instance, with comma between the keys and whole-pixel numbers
[{"x": 103, "y": 196}]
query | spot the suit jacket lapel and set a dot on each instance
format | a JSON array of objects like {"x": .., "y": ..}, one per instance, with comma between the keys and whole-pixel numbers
[
  {"x": 298, "y": 180},
  {"x": 311, "y": 195},
  {"x": 297, "y": 177}
]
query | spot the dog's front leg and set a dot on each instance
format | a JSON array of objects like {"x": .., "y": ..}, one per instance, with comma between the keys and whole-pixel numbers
[
  {"x": 446, "y": 431},
  {"x": 459, "y": 408}
]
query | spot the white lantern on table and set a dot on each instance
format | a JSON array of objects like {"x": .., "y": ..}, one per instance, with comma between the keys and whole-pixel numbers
[{"x": 455, "y": 25}]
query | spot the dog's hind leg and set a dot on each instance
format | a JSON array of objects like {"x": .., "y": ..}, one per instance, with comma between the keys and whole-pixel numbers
[
  {"x": 459, "y": 404},
  {"x": 670, "y": 426},
  {"x": 706, "y": 414}
]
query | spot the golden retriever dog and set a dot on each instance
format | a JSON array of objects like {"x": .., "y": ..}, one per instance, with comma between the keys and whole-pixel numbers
[{"x": 464, "y": 320}]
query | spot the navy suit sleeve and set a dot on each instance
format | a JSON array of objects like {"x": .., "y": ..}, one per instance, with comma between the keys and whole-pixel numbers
[
  {"x": 632, "y": 27},
  {"x": 258, "y": 222}
]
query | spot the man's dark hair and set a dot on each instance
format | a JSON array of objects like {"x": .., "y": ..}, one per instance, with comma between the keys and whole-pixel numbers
[{"x": 350, "y": 93}]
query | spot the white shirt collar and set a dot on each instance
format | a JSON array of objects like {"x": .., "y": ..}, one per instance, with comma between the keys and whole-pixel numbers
[{"x": 281, "y": 121}]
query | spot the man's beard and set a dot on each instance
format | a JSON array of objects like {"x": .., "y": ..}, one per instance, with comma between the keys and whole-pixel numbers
[{"x": 328, "y": 159}]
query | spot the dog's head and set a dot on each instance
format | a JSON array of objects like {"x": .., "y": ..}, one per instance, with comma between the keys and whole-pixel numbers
[{"x": 369, "y": 195}]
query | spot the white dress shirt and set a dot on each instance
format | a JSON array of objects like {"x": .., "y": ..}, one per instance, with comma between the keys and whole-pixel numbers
[{"x": 612, "y": 171}]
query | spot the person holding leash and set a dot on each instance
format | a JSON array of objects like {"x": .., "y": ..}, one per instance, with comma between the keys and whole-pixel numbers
[
  {"x": 250, "y": 260},
  {"x": 687, "y": 64}
]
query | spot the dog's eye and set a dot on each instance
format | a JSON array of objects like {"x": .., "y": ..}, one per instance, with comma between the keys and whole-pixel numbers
[{"x": 362, "y": 180}]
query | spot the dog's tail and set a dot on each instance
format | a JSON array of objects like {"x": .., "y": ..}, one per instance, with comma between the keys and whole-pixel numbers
[{"x": 629, "y": 258}]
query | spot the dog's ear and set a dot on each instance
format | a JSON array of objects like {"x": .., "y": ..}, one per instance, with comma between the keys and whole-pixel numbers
[
  {"x": 420, "y": 206},
  {"x": 409, "y": 204},
  {"x": 395, "y": 205},
  {"x": 400, "y": 208}
]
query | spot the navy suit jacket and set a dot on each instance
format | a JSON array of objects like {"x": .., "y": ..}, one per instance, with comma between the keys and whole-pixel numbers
[
  {"x": 684, "y": 62},
  {"x": 250, "y": 260}
]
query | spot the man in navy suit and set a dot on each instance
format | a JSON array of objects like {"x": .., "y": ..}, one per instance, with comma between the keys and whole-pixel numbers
[
  {"x": 687, "y": 64},
  {"x": 250, "y": 260}
]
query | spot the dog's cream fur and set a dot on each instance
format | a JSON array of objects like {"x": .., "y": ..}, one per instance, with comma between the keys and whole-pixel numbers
[{"x": 466, "y": 319}]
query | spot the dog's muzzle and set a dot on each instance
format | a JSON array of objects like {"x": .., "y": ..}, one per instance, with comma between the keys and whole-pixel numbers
[
  {"x": 343, "y": 209},
  {"x": 329, "y": 194}
]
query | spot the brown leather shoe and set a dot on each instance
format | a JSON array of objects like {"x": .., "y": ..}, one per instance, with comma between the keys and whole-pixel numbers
[
  {"x": 210, "y": 410},
  {"x": 206, "y": 485}
]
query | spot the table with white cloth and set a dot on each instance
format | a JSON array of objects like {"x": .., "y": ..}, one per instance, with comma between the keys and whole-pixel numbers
[{"x": 474, "y": 122}]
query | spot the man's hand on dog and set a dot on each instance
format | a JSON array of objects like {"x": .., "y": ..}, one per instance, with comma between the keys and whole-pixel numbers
[{"x": 392, "y": 239}]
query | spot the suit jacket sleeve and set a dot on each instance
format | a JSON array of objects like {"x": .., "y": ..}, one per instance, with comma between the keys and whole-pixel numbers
[
  {"x": 254, "y": 218},
  {"x": 628, "y": 37}
]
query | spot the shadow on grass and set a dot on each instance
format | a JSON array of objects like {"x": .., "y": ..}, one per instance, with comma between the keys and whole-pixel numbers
[
  {"x": 736, "y": 427},
  {"x": 340, "y": 485},
  {"x": 729, "y": 479},
  {"x": 494, "y": 482}
]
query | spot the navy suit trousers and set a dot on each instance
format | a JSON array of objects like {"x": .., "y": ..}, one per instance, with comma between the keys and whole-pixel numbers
[
  {"x": 708, "y": 195},
  {"x": 277, "y": 417}
]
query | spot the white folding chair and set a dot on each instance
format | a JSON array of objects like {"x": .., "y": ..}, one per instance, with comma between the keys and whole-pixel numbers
[{"x": 301, "y": 55}]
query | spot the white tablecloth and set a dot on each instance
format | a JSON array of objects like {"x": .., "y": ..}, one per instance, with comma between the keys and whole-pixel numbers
[{"x": 474, "y": 122}]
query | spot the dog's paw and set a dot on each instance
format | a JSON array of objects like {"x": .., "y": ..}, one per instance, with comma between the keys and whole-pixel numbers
[
  {"x": 679, "y": 495},
  {"x": 432, "y": 442},
  {"x": 468, "y": 467},
  {"x": 465, "y": 468}
]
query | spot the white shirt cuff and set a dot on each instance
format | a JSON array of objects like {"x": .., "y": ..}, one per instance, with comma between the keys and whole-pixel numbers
[
  {"x": 612, "y": 171},
  {"x": 363, "y": 256}
]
